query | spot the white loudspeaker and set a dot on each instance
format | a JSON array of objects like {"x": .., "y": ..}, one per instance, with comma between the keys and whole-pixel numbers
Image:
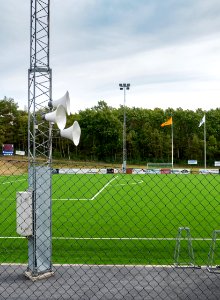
[
  {"x": 64, "y": 101},
  {"x": 73, "y": 133},
  {"x": 57, "y": 116}
]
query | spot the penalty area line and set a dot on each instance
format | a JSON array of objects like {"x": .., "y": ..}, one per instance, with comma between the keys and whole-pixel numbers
[{"x": 87, "y": 199}]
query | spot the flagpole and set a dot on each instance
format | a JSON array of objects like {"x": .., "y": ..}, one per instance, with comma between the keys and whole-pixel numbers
[
  {"x": 170, "y": 122},
  {"x": 172, "y": 141},
  {"x": 205, "y": 143}
]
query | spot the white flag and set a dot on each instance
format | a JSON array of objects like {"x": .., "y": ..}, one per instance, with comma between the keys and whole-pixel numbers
[{"x": 202, "y": 121}]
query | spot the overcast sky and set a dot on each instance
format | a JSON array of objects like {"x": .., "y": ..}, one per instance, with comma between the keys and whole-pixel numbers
[{"x": 168, "y": 50}]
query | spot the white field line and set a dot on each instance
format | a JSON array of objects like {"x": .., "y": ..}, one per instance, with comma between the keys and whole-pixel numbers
[
  {"x": 132, "y": 183},
  {"x": 105, "y": 186},
  {"x": 131, "y": 238},
  {"x": 9, "y": 182},
  {"x": 114, "y": 238},
  {"x": 88, "y": 199}
]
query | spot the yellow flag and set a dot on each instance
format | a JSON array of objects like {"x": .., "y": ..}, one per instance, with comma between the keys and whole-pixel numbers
[{"x": 168, "y": 122}]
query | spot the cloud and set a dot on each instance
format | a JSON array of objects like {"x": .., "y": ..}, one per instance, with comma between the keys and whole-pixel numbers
[
  {"x": 97, "y": 30},
  {"x": 167, "y": 50},
  {"x": 189, "y": 68}
]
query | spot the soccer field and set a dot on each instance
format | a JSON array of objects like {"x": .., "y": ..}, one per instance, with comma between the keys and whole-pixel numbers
[{"x": 118, "y": 218}]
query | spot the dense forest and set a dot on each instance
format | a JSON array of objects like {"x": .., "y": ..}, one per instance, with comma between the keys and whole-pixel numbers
[{"x": 102, "y": 138}]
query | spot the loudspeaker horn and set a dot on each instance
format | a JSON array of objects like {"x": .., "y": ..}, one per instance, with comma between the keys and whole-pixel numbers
[
  {"x": 57, "y": 116},
  {"x": 73, "y": 133},
  {"x": 64, "y": 101}
]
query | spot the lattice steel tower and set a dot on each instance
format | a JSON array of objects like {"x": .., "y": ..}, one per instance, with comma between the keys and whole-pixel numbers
[
  {"x": 40, "y": 81},
  {"x": 39, "y": 139}
]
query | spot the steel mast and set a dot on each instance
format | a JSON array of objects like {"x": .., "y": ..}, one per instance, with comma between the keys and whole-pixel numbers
[{"x": 39, "y": 140}]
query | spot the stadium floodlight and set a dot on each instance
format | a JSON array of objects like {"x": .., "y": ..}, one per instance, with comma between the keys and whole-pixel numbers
[{"x": 124, "y": 86}]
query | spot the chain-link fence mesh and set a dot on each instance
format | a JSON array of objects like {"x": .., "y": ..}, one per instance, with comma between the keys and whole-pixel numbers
[{"x": 147, "y": 234}]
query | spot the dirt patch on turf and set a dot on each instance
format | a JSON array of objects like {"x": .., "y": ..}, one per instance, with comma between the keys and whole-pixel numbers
[{"x": 13, "y": 167}]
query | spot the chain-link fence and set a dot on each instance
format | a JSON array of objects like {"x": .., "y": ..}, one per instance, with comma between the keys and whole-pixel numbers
[{"x": 146, "y": 234}]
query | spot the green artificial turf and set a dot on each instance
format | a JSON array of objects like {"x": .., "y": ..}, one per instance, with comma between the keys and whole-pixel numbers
[{"x": 119, "y": 218}]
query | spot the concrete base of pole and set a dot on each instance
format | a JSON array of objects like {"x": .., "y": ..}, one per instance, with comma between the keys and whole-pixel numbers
[{"x": 32, "y": 277}]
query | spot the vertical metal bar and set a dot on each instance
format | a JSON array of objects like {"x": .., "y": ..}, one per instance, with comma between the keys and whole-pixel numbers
[
  {"x": 205, "y": 142},
  {"x": 177, "y": 248},
  {"x": 124, "y": 134},
  {"x": 172, "y": 141}
]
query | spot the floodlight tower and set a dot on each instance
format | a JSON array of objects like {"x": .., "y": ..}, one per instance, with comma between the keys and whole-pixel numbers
[
  {"x": 124, "y": 86},
  {"x": 39, "y": 141}
]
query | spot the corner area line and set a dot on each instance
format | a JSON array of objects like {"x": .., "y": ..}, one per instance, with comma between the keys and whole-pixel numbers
[{"x": 89, "y": 199}]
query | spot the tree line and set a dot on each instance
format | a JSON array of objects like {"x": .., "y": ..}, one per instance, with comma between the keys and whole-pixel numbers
[{"x": 102, "y": 138}]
